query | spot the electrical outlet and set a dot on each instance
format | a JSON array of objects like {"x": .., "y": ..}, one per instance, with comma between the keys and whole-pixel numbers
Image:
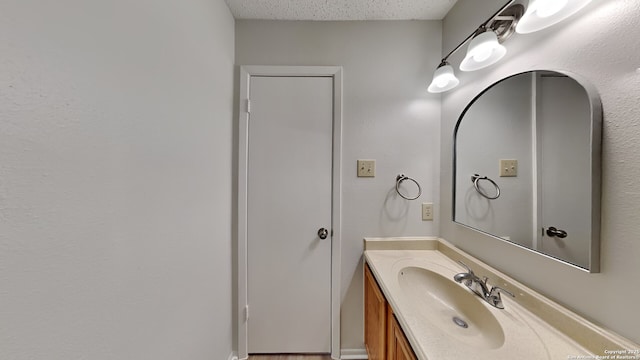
[
  {"x": 427, "y": 211},
  {"x": 508, "y": 167},
  {"x": 366, "y": 168}
]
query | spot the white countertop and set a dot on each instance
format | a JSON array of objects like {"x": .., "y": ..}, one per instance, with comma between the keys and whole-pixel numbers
[{"x": 526, "y": 334}]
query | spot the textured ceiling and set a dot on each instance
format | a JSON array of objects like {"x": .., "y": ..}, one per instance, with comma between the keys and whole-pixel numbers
[{"x": 340, "y": 9}]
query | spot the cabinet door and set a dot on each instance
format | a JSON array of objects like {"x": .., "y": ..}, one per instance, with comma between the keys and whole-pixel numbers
[
  {"x": 375, "y": 318},
  {"x": 398, "y": 345}
]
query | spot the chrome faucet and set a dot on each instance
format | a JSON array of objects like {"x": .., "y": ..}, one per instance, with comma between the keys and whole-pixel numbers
[
  {"x": 494, "y": 296},
  {"x": 480, "y": 288},
  {"x": 473, "y": 282}
]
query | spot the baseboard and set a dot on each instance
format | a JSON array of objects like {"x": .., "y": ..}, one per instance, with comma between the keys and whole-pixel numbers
[
  {"x": 345, "y": 354},
  {"x": 353, "y": 354}
]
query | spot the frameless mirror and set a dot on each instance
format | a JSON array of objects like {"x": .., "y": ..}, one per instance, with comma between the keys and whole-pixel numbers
[{"x": 527, "y": 165}]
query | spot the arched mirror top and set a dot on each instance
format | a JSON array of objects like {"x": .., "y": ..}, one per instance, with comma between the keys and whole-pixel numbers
[{"x": 527, "y": 165}]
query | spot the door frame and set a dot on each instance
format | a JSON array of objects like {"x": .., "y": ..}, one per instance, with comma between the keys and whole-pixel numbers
[{"x": 246, "y": 72}]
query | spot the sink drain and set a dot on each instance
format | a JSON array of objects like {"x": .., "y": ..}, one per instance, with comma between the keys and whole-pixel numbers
[{"x": 460, "y": 322}]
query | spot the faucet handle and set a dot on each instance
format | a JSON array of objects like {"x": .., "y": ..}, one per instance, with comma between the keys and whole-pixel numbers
[
  {"x": 497, "y": 290},
  {"x": 494, "y": 296},
  {"x": 466, "y": 267}
]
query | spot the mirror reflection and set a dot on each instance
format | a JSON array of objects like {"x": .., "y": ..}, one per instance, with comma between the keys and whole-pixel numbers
[{"x": 527, "y": 166}]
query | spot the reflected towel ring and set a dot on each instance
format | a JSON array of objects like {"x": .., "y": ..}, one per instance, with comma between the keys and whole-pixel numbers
[
  {"x": 476, "y": 178},
  {"x": 402, "y": 177}
]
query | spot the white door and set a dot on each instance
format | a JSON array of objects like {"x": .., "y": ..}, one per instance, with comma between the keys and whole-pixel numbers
[
  {"x": 564, "y": 143},
  {"x": 289, "y": 199}
]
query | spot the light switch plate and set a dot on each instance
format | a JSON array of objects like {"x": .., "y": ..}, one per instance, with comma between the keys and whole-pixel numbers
[
  {"x": 366, "y": 168},
  {"x": 508, "y": 167},
  {"x": 427, "y": 211}
]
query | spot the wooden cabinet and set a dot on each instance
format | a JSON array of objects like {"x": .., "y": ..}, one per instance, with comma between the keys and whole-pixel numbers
[
  {"x": 375, "y": 319},
  {"x": 384, "y": 338},
  {"x": 398, "y": 347}
]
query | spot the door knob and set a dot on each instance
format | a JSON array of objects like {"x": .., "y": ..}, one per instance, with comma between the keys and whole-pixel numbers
[
  {"x": 322, "y": 233},
  {"x": 553, "y": 232}
]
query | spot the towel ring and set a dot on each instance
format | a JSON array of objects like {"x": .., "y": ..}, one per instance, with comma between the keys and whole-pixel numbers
[
  {"x": 402, "y": 177},
  {"x": 475, "y": 179}
]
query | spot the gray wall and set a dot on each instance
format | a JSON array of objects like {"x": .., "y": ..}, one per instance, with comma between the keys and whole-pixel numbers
[
  {"x": 388, "y": 116},
  {"x": 600, "y": 44},
  {"x": 115, "y": 179}
]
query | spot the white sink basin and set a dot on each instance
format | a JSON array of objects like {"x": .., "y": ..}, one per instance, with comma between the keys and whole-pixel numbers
[
  {"x": 454, "y": 310},
  {"x": 428, "y": 301}
]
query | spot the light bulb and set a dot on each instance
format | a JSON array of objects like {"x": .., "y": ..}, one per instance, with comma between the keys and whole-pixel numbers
[
  {"x": 482, "y": 53},
  {"x": 548, "y": 8},
  {"x": 544, "y": 13},
  {"x": 443, "y": 79},
  {"x": 441, "y": 82}
]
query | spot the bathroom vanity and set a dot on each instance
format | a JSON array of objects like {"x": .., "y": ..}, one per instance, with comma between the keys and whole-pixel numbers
[
  {"x": 415, "y": 310},
  {"x": 384, "y": 337}
]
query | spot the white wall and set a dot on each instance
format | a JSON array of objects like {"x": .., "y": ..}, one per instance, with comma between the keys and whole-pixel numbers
[
  {"x": 115, "y": 179},
  {"x": 388, "y": 116},
  {"x": 600, "y": 44}
]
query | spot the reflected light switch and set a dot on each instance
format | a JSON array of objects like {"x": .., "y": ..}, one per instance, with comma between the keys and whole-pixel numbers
[
  {"x": 366, "y": 168},
  {"x": 508, "y": 167}
]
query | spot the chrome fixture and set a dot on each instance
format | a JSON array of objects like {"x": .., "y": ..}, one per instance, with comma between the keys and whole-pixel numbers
[
  {"x": 401, "y": 178},
  {"x": 494, "y": 297},
  {"x": 463, "y": 324},
  {"x": 485, "y": 48},
  {"x": 480, "y": 288},
  {"x": 473, "y": 282},
  {"x": 475, "y": 179}
]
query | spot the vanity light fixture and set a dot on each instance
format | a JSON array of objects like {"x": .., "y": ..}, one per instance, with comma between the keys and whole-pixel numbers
[
  {"x": 541, "y": 14},
  {"x": 486, "y": 46},
  {"x": 444, "y": 78}
]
